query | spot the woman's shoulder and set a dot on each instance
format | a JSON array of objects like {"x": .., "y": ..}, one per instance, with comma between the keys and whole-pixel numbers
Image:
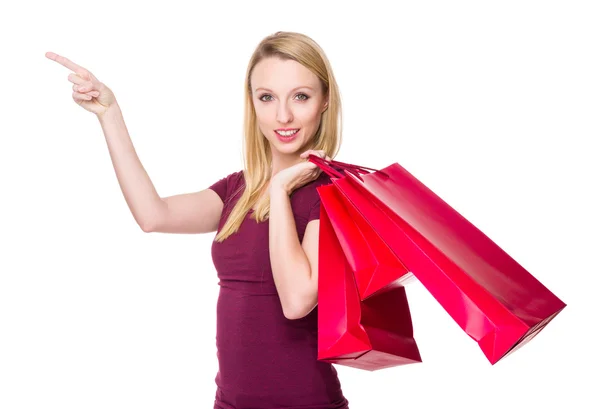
[
  {"x": 227, "y": 184},
  {"x": 309, "y": 191},
  {"x": 237, "y": 177},
  {"x": 322, "y": 179},
  {"x": 306, "y": 201}
]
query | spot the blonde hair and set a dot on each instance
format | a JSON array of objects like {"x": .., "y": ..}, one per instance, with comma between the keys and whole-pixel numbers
[{"x": 257, "y": 152}]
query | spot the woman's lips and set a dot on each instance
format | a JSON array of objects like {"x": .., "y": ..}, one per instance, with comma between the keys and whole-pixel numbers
[{"x": 287, "y": 139}]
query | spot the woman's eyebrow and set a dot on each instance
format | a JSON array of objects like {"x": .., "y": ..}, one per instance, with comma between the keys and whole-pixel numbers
[{"x": 295, "y": 89}]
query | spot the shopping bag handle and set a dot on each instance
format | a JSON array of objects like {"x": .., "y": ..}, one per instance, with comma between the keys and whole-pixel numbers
[
  {"x": 325, "y": 167},
  {"x": 328, "y": 167}
]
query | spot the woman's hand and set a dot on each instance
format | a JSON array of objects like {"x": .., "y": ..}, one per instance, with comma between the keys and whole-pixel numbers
[
  {"x": 298, "y": 175},
  {"x": 88, "y": 92}
]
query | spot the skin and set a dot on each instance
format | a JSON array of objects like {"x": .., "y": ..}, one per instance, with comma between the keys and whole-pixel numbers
[
  {"x": 88, "y": 92},
  {"x": 285, "y": 95},
  {"x": 288, "y": 95}
]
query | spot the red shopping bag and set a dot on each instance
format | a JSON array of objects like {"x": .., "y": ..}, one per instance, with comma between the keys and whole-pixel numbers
[
  {"x": 376, "y": 268},
  {"x": 373, "y": 334},
  {"x": 488, "y": 294}
]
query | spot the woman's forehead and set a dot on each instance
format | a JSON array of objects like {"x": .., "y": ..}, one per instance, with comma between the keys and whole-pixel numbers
[{"x": 277, "y": 75}]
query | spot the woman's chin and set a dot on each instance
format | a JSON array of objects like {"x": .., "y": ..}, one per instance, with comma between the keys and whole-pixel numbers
[{"x": 290, "y": 148}]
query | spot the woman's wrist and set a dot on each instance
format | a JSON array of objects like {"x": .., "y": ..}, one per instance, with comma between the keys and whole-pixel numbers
[
  {"x": 277, "y": 188},
  {"x": 110, "y": 112}
]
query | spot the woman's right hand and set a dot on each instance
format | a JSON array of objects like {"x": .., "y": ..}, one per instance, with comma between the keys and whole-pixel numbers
[{"x": 88, "y": 92}]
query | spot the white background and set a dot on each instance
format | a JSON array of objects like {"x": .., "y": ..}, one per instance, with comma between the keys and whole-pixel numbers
[{"x": 493, "y": 105}]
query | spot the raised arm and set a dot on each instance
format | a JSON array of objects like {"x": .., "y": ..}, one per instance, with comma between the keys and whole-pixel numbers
[{"x": 197, "y": 212}]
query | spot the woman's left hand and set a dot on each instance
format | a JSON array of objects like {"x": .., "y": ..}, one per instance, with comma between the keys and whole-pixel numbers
[{"x": 298, "y": 175}]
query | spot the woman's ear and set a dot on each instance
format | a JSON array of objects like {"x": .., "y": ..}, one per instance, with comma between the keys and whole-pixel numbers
[{"x": 325, "y": 105}]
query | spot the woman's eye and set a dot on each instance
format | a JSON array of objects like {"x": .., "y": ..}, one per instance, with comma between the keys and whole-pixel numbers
[{"x": 267, "y": 97}]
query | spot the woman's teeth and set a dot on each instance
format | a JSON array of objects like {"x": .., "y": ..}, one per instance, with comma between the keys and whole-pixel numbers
[{"x": 287, "y": 133}]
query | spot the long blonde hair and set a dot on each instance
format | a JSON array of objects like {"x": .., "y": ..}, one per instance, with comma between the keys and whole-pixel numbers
[{"x": 257, "y": 151}]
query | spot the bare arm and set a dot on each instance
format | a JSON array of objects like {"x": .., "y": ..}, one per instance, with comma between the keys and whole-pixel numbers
[
  {"x": 294, "y": 264},
  {"x": 186, "y": 213},
  {"x": 197, "y": 212},
  {"x": 140, "y": 194}
]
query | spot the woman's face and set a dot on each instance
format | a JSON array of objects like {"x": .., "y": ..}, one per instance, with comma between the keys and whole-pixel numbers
[{"x": 288, "y": 101}]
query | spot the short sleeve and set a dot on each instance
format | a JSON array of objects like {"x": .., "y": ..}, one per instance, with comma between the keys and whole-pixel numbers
[
  {"x": 224, "y": 185},
  {"x": 315, "y": 210},
  {"x": 220, "y": 188}
]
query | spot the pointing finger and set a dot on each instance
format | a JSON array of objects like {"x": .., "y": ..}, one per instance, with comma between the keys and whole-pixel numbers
[{"x": 65, "y": 62}]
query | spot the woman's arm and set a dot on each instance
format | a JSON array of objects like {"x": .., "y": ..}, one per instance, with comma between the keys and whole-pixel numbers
[
  {"x": 197, "y": 212},
  {"x": 137, "y": 188},
  {"x": 294, "y": 265}
]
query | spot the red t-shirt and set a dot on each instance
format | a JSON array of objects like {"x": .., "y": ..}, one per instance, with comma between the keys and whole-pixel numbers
[{"x": 266, "y": 361}]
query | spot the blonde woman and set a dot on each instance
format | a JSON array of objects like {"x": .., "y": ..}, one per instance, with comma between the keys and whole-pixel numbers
[{"x": 266, "y": 219}]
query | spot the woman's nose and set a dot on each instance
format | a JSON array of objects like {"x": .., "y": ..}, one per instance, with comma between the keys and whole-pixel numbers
[{"x": 284, "y": 113}]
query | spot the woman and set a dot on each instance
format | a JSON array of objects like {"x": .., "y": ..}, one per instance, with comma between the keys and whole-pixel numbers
[{"x": 266, "y": 218}]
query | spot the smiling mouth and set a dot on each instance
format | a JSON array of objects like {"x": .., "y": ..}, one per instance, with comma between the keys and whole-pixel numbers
[{"x": 287, "y": 133}]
